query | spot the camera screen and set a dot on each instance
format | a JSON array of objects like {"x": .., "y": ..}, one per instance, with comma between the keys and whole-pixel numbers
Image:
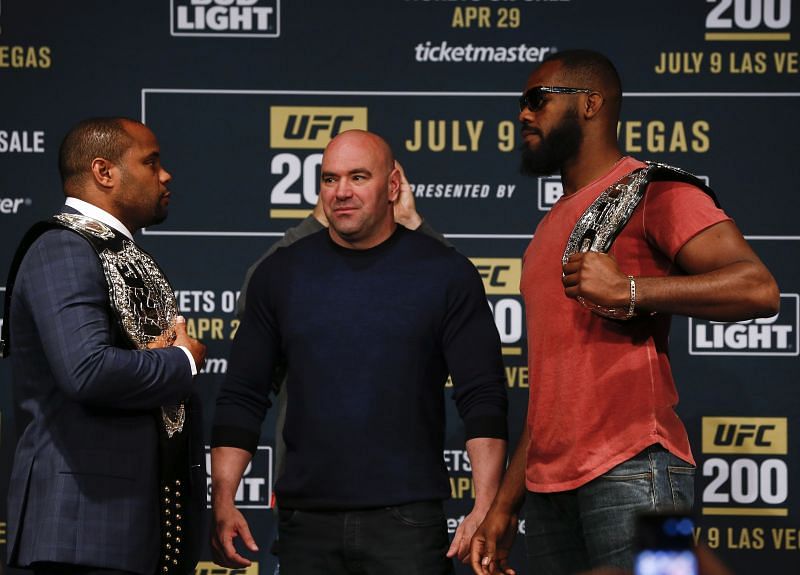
[{"x": 665, "y": 562}]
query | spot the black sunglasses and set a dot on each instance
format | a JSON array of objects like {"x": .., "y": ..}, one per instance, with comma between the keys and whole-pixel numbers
[{"x": 534, "y": 98}]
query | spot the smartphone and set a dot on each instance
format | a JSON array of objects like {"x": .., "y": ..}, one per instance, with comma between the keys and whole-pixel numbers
[{"x": 664, "y": 545}]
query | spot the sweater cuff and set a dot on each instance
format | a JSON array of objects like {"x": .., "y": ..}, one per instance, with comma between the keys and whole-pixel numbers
[
  {"x": 227, "y": 436},
  {"x": 494, "y": 426}
]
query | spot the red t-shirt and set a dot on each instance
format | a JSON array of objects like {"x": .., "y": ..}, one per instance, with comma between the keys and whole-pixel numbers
[{"x": 602, "y": 390}]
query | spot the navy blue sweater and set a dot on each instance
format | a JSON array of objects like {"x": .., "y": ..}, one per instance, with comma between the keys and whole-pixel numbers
[{"x": 370, "y": 337}]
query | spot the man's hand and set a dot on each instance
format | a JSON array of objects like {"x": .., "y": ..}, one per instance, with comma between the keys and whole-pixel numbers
[
  {"x": 195, "y": 347},
  {"x": 405, "y": 210},
  {"x": 160, "y": 342},
  {"x": 460, "y": 546},
  {"x": 492, "y": 543},
  {"x": 596, "y": 277},
  {"x": 229, "y": 523}
]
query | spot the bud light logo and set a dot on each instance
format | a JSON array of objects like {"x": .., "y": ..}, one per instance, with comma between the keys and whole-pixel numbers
[
  {"x": 226, "y": 18},
  {"x": 769, "y": 336},
  {"x": 255, "y": 488}
]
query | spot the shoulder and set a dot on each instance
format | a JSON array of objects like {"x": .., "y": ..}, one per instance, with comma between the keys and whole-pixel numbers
[
  {"x": 450, "y": 263},
  {"x": 676, "y": 198},
  {"x": 304, "y": 229},
  {"x": 675, "y": 212},
  {"x": 301, "y": 245},
  {"x": 420, "y": 240},
  {"x": 59, "y": 261},
  {"x": 60, "y": 248},
  {"x": 307, "y": 227},
  {"x": 292, "y": 253}
]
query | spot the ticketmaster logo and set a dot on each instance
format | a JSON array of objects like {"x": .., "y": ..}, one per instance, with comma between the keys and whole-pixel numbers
[
  {"x": 444, "y": 52},
  {"x": 226, "y": 18},
  {"x": 12, "y": 205},
  {"x": 776, "y": 335}
]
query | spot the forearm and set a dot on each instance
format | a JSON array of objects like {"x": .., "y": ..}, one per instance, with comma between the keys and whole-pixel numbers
[
  {"x": 125, "y": 379},
  {"x": 739, "y": 291},
  {"x": 227, "y": 467},
  {"x": 487, "y": 456},
  {"x": 724, "y": 280},
  {"x": 512, "y": 488}
]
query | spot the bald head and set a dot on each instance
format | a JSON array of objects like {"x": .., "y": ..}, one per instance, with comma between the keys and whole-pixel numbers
[
  {"x": 588, "y": 69},
  {"x": 358, "y": 185},
  {"x": 370, "y": 142}
]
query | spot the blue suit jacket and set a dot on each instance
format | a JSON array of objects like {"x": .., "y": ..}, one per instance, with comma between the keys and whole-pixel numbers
[{"x": 84, "y": 483}]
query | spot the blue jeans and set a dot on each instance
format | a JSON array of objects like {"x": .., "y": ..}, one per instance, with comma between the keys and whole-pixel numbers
[
  {"x": 406, "y": 539},
  {"x": 593, "y": 525}
]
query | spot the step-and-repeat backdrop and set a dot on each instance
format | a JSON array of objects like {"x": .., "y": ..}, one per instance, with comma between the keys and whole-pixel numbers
[{"x": 244, "y": 94}]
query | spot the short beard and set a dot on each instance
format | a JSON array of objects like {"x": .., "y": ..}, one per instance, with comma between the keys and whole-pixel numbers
[
  {"x": 158, "y": 218},
  {"x": 555, "y": 150}
]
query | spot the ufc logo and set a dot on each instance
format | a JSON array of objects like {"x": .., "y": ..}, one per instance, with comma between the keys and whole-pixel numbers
[
  {"x": 738, "y": 434},
  {"x": 309, "y": 127}
]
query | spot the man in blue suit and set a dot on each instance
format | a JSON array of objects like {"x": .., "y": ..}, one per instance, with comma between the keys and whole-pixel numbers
[{"x": 93, "y": 392}]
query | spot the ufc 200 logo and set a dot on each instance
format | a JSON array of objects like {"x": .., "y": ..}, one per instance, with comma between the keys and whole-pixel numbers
[
  {"x": 751, "y": 435},
  {"x": 748, "y": 20},
  {"x": 748, "y": 474},
  {"x": 501, "y": 278},
  {"x": 499, "y": 275},
  {"x": 309, "y": 127},
  {"x": 304, "y": 128}
]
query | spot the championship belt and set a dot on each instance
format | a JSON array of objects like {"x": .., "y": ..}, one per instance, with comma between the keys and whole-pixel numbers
[
  {"x": 605, "y": 218},
  {"x": 145, "y": 308}
]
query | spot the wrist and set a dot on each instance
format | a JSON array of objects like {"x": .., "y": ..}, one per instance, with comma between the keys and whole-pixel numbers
[
  {"x": 632, "y": 295},
  {"x": 222, "y": 498},
  {"x": 411, "y": 221},
  {"x": 505, "y": 506},
  {"x": 482, "y": 506}
]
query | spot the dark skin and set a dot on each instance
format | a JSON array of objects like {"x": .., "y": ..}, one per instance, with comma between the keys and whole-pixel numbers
[
  {"x": 134, "y": 190},
  {"x": 722, "y": 278}
]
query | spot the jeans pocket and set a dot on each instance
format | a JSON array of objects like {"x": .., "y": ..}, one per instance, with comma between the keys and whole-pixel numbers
[
  {"x": 681, "y": 483},
  {"x": 420, "y": 514}
]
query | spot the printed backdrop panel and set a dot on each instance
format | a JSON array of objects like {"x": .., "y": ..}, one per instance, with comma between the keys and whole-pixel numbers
[{"x": 244, "y": 95}]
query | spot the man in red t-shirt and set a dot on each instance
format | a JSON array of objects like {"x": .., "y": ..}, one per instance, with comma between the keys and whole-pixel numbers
[{"x": 602, "y": 440}]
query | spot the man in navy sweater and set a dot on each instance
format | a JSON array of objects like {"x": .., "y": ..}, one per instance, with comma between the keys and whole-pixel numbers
[{"x": 372, "y": 318}]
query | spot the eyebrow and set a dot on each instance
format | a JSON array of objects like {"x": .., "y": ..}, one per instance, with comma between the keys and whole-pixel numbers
[{"x": 349, "y": 173}]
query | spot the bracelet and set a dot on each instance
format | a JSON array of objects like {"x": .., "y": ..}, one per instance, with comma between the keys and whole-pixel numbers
[{"x": 632, "y": 305}]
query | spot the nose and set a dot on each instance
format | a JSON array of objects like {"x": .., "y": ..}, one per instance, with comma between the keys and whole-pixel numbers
[
  {"x": 525, "y": 115},
  {"x": 165, "y": 177},
  {"x": 343, "y": 190}
]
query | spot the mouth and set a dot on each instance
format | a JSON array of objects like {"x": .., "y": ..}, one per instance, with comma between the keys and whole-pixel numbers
[{"x": 528, "y": 131}]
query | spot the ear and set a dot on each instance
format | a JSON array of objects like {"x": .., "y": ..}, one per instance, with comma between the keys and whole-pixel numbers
[
  {"x": 394, "y": 185},
  {"x": 594, "y": 103},
  {"x": 102, "y": 171}
]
